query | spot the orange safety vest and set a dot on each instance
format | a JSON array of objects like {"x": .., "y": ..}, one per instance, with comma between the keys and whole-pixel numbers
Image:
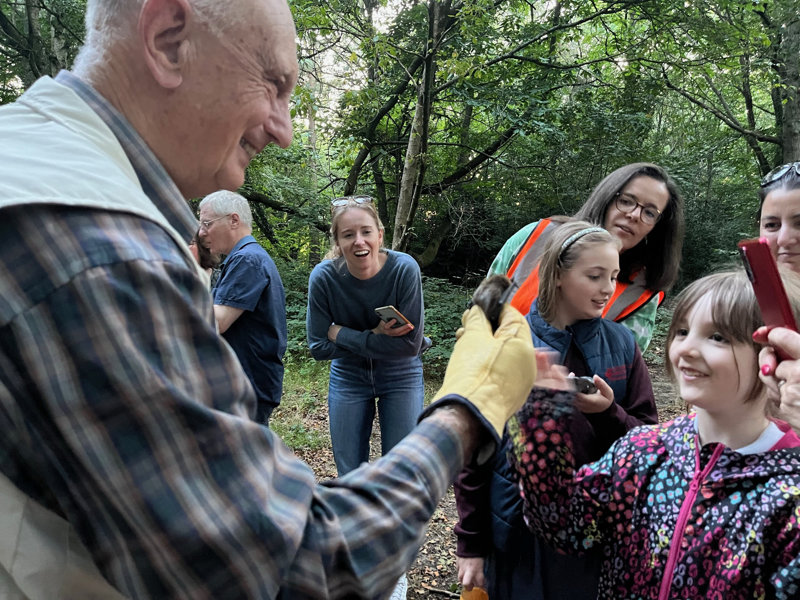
[{"x": 524, "y": 271}]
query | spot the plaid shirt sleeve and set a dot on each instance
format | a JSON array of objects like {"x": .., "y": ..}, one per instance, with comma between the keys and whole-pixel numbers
[{"x": 124, "y": 411}]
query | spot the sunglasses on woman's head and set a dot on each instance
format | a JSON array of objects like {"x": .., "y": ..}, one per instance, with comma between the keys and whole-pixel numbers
[
  {"x": 349, "y": 201},
  {"x": 779, "y": 173}
]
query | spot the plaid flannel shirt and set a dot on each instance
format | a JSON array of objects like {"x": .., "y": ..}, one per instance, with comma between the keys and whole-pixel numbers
[{"x": 124, "y": 411}]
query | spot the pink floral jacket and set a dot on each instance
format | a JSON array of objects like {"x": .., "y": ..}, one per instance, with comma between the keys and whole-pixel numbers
[{"x": 674, "y": 520}]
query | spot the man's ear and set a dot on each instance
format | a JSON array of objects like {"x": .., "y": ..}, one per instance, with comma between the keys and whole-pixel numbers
[
  {"x": 164, "y": 27},
  {"x": 235, "y": 221}
]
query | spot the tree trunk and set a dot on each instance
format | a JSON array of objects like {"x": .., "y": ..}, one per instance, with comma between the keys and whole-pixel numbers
[
  {"x": 316, "y": 240},
  {"x": 434, "y": 242},
  {"x": 790, "y": 51},
  {"x": 416, "y": 151}
]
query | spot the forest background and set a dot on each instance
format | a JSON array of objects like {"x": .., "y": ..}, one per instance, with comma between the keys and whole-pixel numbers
[{"x": 467, "y": 119}]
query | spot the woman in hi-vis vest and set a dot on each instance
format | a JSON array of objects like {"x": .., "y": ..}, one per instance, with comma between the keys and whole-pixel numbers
[{"x": 639, "y": 204}]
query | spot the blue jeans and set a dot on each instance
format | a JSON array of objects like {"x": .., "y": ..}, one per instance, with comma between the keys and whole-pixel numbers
[{"x": 354, "y": 385}]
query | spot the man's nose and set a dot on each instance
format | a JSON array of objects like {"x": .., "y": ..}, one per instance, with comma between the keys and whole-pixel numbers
[{"x": 279, "y": 124}]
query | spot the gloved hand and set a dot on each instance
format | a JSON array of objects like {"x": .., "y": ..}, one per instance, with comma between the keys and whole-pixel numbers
[{"x": 494, "y": 372}]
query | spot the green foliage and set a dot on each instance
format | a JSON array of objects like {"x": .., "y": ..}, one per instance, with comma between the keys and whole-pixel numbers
[
  {"x": 295, "y": 282},
  {"x": 444, "y": 304},
  {"x": 305, "y": 388},
  {"x": 576, "y": 88},
  {"x": 297, "y": 436}
]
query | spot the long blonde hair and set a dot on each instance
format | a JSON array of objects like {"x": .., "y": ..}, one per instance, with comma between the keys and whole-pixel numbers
[{"x": 560, "y": 254}]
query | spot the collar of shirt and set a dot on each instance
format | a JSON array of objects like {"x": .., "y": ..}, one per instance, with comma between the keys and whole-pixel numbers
[
  {"x": 153, "y": 177},
  {"x": 248, "y": 239}
]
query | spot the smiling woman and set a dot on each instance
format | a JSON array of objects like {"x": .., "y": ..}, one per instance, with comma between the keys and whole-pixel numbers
[
  {"x": 779, "y": 221},
  {"x": 370, "y": 359}
]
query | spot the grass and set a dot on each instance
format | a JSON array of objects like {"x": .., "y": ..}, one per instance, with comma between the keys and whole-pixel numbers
[{"x": 303, "y": 405}]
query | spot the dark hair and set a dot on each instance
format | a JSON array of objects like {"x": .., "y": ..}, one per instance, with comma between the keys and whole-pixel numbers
[
  {"x": 660, "y": 252},
  {"x": 790, "y": 180},
  {"x": 206, "y": 258}
]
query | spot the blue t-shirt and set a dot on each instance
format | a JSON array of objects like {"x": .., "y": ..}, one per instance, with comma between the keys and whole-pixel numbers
[
  {"x": 335, "y": 296},
  {"x": 249, "y": 280}
]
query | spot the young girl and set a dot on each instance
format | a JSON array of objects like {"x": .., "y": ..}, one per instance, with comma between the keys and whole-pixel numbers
[
  {"x": 577, "y": 274},
  {"x": 705, "y": 506}
]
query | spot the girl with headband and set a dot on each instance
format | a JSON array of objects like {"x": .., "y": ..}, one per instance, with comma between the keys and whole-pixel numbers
[{"x": 578, "y": 272}]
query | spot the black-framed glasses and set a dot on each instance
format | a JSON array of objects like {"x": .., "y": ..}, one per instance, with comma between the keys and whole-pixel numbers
[
  {"x": 626, "y": 205},
  {"x": 350, "y": 201},
  {"x": 779, "y": 172},
  {"x": 205, "y": 224}
]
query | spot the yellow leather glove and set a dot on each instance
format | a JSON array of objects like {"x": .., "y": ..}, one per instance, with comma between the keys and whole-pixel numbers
[{"x": 495, "y": 372}]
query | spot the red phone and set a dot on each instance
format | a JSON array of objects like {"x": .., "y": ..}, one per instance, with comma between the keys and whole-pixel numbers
[{"x": 767, "y": 285}]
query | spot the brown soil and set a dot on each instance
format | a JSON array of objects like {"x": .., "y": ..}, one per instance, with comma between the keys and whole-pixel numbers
[{"x": 434, "y": 574}]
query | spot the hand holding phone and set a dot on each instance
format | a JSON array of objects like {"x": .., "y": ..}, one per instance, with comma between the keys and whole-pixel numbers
[
  {"x": 583, "y": 384},
  {"x": 387, "y": 313},
  {"x": 776, "y": 311}
]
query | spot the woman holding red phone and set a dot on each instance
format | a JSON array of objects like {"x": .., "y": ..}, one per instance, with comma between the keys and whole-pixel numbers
[{"x": 779, "y": 220}]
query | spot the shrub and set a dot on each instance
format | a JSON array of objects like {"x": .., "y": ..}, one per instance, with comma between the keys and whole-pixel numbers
[{"x": 444, "y": 304}]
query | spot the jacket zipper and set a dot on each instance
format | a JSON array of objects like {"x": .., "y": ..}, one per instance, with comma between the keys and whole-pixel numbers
[{"x": 683, "y": 516}]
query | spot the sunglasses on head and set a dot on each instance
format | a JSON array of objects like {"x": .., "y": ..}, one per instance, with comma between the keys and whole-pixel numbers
[
  {"x": 779, "y": 173},
  {"x": 350, "y": 200}
]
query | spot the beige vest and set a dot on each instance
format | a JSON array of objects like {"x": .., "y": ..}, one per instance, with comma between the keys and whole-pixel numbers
[
  {"x": 56, "y": 150},
  {"x": 41, "y": 558}
]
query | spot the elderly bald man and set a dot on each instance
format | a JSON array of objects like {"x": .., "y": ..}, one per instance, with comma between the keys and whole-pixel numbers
[{"x": 129, "y": 465}]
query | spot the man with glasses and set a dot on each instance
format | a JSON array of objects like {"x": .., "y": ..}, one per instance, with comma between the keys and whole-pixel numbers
[
  {"x": 249, "y": 301},
  {"x": 129, "y": 462}
]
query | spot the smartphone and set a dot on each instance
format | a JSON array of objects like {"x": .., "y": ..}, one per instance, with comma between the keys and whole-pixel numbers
[
  {"x": 583, "y": 384},
  {"x": 387, "y": 313},
  {"x": 767, "y": 285}
]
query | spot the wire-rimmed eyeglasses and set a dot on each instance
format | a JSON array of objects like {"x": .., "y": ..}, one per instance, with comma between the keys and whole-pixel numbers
[
  {"x": 626, "y": 205},
  {"x": 205, "y": 224}
]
